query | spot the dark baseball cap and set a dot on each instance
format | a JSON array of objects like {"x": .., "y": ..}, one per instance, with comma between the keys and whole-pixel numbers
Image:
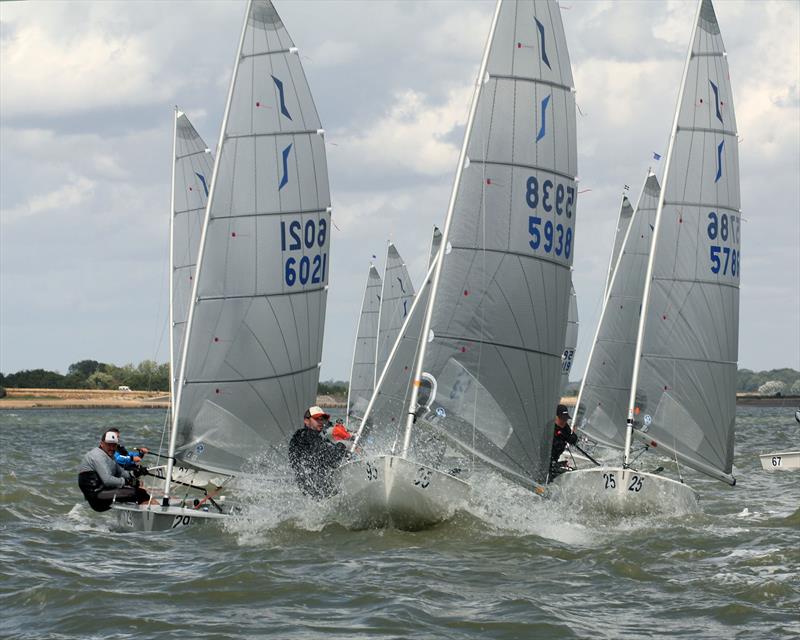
[{"x": 561, "y": 411}]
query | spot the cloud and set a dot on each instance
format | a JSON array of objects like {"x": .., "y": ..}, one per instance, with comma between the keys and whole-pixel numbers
[
  {"x": 412, "y": 137},
  {"x": 44, "y": 77},
  {"x": 77, "y": 190}
]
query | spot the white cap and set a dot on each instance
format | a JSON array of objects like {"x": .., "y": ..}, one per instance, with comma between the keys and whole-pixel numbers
[
  {"x": 111, "y": 437},
  {"x": 313, "y": 412}
]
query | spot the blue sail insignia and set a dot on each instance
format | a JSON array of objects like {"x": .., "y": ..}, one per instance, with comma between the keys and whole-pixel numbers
[
  {"x": 203, "y": 181},
  {"x": 542, "y": 128},
  {"x": 719, "y": 161},
  {"x": 284, "y": 110},
  {"x": 716, "y": 99},
  {"x": 285, "y": 177},
  {"x": 541, "y": 43}
]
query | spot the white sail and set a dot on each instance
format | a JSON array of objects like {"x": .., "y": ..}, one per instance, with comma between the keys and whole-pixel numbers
[
  {"x": 383, "y": 418},
  {"x": 393, "y": 387},
  {"x": 602, "y": 406},
  {"x": 436, "y": 244},
  {"x": 570, "y": 340},
  {"x": 624, "y": 219},
  {"x": 362, "y": 373},
  {"x": 497, "y": 315},
  {"x": 396, "y": 297},
  {"x": 687, "y": 351},
  {"x": 191, "y": 180},
  {"x": 254, "y": 339}
]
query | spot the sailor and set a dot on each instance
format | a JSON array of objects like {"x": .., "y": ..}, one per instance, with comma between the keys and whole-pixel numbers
[
  {"x": 315, "y": 450},
  {"x": 103, "y": 481},
  {"x": 129, "y": 460},
  {"x": 562, "y": 436}
]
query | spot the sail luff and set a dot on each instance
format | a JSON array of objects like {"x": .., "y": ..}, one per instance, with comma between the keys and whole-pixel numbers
[
  {"x": 654, "y": 243},
  {"x": 198, "y": 269},
  {"x": 445, "y": 234}
]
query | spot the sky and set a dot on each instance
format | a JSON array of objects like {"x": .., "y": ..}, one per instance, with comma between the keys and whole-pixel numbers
[{"x": 87, "y": 93}]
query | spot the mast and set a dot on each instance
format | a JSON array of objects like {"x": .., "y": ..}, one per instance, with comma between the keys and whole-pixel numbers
[
  {"x": 426, "y": 327},
  {"x": 187, "y": 333},
  {"x": 637, "y": 358}
]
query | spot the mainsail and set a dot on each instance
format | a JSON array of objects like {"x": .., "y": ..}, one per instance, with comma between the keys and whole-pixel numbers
[
  {"x": 254, "y": 338},
  {"x": 602, "y": 406},
  {"x": 396, "y": 297},
  {"x": 686, "y": 358},
  {"x": 362, "y": 373},
  {"x": 625, "y": 214},
  {"x": 191, "y": 178},
  {"x": 489, "y": 362},
  {"x": 570, "y": 340}
]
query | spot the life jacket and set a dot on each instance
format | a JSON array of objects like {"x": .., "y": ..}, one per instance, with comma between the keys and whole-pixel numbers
[
  {"x": 90, "y": 485},
  {"x": 337, "y": 433}
]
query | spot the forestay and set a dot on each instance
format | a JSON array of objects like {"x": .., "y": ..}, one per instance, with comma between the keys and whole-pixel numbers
[
  {"x": 500, "y": 296},
  {"x": 362, "y": 373},
  {"x": 602, "y": 407},
  {"x": 193, "y": 164},
  {"x": 396, "y": 297},
  {"x": 255, "y": 330},
  {"x": 685, "y": 398},
  {"x": 624, "y": 220}
]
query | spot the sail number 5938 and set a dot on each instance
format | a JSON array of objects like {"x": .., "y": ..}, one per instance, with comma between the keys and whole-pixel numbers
[
  {"x": 550, "y": 236},
  {"x": 301, "y": 237}
]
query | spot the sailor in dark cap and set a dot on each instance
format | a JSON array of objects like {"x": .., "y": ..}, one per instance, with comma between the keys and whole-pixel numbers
[{"x": 562, "y": 436}]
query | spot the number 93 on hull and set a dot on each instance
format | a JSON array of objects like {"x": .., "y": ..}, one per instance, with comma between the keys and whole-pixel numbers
[{"x": 391, "y": 491}]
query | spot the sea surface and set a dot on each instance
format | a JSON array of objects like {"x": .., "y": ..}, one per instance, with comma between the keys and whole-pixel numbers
[{"x": 510, "y": 566}]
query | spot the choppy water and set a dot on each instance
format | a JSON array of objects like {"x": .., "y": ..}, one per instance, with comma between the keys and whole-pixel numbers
[{"x": 509, "y": 567}]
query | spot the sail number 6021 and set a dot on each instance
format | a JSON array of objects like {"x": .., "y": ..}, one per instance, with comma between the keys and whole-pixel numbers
[
  {"x": 557, "y": 235},
  {"x": 302, "y": 237}
]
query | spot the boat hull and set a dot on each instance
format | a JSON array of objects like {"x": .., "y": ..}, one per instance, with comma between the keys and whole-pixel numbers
[
  {"x": 390, "y": 491},
  {"x": 151, "y": 518},
  {"x": 780, "y": 461},
  {"x": 619, "y": 491}
]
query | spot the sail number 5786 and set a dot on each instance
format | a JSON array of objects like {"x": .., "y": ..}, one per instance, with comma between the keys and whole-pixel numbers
[{"x": 550, "y": 236}]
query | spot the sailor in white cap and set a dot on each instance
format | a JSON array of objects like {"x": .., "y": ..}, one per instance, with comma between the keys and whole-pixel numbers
[
  {"x": 103, "y": 481},
  {"x": 315, "y": 451}
]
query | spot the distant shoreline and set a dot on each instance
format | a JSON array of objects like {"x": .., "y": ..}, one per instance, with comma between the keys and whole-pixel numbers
[{"x": 112, "y": 399}]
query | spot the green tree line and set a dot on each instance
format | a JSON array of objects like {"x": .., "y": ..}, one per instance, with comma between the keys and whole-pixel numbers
[{"x": 91, "y": 374}]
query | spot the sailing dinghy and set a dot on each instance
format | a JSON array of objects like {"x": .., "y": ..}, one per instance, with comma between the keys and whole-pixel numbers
[
  {"x": 681, "y": 398},
  {"x": 475, "y": 375},
  {"x": 782, "y": 460},
  {"x": 250, "y": 358}
]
